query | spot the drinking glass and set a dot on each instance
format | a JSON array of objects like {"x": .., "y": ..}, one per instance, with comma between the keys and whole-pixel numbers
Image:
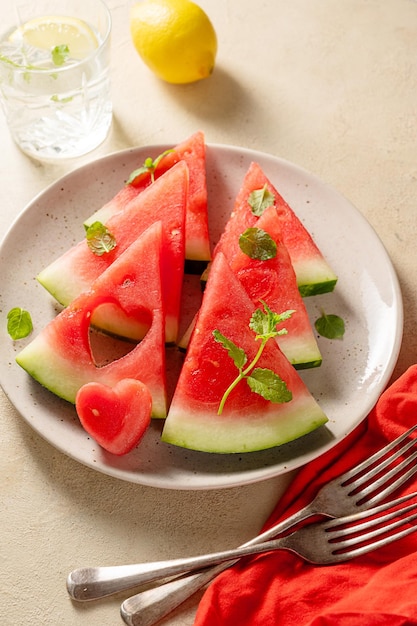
[{"x": 55, "y": 75}]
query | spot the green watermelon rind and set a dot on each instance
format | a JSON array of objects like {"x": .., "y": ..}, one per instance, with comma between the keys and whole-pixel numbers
[
  {"x": 72, "y": 273},
  {"x": 201, "y": 431},
  {"x": 51, "y": 279},
  {"x": 112, "y": 324},
  {"x": 50, "y": 369},
  {"x": 57, "y": 374},
  {"x": 314, "y": 277},
  {"x": 317, "y": 289},
  {"x": 101, "y": 215},
  {"x": 65, "y": 355},
  {"x": 248, "y": 422},
  {"x": 301, "y": 352}
]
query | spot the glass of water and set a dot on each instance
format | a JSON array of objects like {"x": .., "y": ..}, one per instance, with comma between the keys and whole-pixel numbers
[{"x": 55, "y": 75}]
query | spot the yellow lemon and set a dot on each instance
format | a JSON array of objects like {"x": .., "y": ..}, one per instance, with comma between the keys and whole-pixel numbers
[
  {"x": 56, "y": 30},
  {"x": 175, "y": 38}
]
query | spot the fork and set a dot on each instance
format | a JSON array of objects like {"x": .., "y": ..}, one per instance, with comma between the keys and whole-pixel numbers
[
  {"x": 323, "y": 543},
  {"x": 353, "y": 491},
  {"x": 360, "y": 488}
]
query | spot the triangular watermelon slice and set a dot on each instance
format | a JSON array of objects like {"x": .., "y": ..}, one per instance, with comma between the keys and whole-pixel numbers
[
  {"x": 75, "y": 271},
  {"x": 248, "y": 422},
  {"x": 274, "y": 282},
  {"x": 193, "y": 152},
  {"x": 61, "y": 356},
  {"x": 314, "y": 275}
]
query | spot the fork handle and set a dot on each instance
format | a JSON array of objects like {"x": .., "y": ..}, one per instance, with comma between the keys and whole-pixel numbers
[
  {"x": 119, "y": 577},
  {"x": 148, "y": 607},
  {"x": 91, "y": 583}
]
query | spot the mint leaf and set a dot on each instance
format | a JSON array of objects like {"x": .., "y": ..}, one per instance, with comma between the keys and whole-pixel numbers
[
  {"x": 237, "y": 354},
  {"x": 19, "y": 323},
  {"x": 149, "y": 166},
  {"x": 99, "y": 239},
  {"x": 257, "y": 244},
  {"x": 60, "y": 54},
  {"x": 56, "y": 98},
  {"x": 262, "y": 381},
  {"x": 330, "y": 326},
  {"x": 269, "y": 385},
  {"x": 260, "y": 199},
  {"x": 264, "y": 323}
]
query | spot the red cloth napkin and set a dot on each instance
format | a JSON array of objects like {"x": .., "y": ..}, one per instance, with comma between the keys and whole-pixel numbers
[{"x": 280, "y": 589}]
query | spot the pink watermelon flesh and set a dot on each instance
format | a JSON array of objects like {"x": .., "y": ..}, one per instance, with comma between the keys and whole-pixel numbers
[
  {"x": 118, "y": 417},
  {"x": 113, "y": 206},
  {"x": 248, "y": 422},
  {"x": 193, "y": 152},
  {"x": 75, "y": 271},
  {"x": 274, "y": 282},
  {"x": 61, "y": 356},
  {"x": 312, "y": 271}
]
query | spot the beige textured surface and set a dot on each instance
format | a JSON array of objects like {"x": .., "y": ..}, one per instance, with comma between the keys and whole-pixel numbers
[{"x": 330, "y": 85}]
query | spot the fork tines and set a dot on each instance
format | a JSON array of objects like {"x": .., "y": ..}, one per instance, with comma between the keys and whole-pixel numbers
[
  {"x": 393, "y": 464},
  {"x": 362, "y": 532}
]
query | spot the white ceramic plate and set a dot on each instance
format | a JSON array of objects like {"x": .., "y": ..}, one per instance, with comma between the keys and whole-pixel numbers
[{"x": 347, "y": 385}]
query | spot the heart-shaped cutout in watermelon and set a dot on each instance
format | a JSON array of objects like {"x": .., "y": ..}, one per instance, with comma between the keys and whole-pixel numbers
[
  {"x": 116, "y": 417},
  {"x": 61, "y": 358},
  {"x": 106, "y": 348}
]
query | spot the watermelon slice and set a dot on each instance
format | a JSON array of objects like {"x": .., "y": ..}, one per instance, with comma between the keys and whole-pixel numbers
[
  {"x": 248, "y": 422},
  {"x": 193, "y": 152},
  {"x": 61, "y": 357},
  {"x": 313, "y": 273},
  {"x": 75, "y": 271},
  {"x": 274, "y": 282}
]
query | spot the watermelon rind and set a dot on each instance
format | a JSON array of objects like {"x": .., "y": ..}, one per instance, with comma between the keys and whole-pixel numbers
[
  {"x": 314, "y": 277},
  {"x": 313, "y": 272},
  {"x": 73, "y": 272},
  {"x": 300, "y": 351},
  {"x": 248, "y": 422},
  {"x": 274, "y": 281},
  {"x": 58, "y": 372},
  {"x": 206, "y": 432},
  {"x": 61, "y": 357}
]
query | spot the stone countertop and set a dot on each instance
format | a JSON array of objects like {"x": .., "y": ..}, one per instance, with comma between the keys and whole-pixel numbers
[{"x": 330, "y": 86}]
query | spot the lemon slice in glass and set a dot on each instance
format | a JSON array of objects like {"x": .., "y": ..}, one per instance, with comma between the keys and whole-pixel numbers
[{"x": 50, "y": 31}]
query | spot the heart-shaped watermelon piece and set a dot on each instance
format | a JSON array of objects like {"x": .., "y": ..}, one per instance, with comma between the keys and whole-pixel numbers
[{"x": 116, "y": 417}]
